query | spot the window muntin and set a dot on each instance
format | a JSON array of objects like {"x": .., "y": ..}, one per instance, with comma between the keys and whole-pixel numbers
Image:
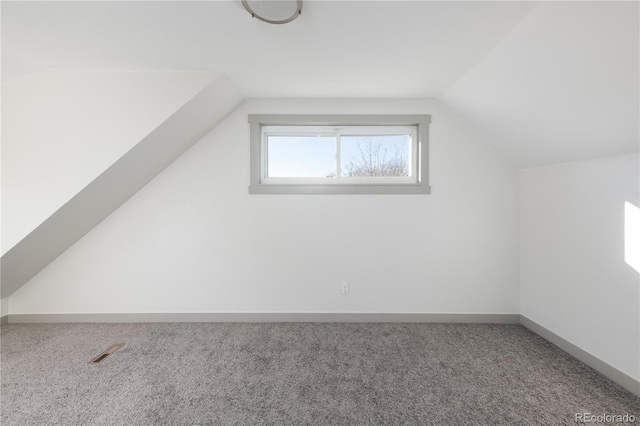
[
  {"x": 328, "y": 166},
  {"x": 361, "y": 154}
]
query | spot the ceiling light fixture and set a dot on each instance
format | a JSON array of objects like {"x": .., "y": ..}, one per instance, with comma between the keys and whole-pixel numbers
[{"x": 274, "y": 11}]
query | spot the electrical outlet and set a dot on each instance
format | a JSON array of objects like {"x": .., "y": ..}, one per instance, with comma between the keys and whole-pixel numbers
[{"x": 345, "y": 289}]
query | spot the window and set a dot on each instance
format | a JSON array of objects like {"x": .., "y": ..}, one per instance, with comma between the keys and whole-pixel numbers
[{"x": 339, "y": 154}]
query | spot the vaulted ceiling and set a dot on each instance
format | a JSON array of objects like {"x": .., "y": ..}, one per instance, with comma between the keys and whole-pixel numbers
[
  {"x": 542, "y": 83},
  {"x": 335, "y": 49}
]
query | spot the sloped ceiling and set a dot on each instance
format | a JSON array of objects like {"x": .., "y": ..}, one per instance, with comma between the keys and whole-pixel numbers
[
  {"x": 337, "y": 49},
  {"x": 62, "y": 129},
  {"x": 563, "y": 86},
  {"x": 542, "y": 83}
]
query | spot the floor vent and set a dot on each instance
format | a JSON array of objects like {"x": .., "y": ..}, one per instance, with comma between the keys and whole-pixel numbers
[{"x": 104, "y": 355}]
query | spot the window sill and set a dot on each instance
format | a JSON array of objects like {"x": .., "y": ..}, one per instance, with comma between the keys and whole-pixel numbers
[{"x": 340, "y": 189}]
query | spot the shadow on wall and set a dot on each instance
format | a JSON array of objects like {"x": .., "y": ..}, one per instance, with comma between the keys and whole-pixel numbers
[{"x": 632, "y": 236}]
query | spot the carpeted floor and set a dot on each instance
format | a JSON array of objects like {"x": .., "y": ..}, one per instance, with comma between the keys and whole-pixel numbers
[{"x": 296, "y": 374}]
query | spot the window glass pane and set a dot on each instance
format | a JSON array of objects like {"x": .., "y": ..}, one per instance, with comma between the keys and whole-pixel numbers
[
  {"x": 371, "y": 156},
  {"x": 301, "y": 156}
]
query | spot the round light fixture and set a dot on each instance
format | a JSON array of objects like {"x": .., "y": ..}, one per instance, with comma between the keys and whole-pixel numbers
[{"x": 274, "y": 11}]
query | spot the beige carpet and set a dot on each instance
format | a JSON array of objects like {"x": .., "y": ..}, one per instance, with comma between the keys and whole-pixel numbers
[{"x": 296, "y": 374}]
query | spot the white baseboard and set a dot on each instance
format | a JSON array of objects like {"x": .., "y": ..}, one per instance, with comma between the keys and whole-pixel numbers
[
  {"x": 621, "y": 378},
  {"x": 266, "y": 317}
]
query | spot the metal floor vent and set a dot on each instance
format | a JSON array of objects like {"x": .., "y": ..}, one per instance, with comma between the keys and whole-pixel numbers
[{"x": 104, "y": 355}]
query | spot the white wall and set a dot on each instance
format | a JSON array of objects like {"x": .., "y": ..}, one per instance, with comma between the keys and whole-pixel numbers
[
  {"x": 193, "y": 240},
  {"x": 573, "y": 274},
  {"x": 61, "y": 129}
]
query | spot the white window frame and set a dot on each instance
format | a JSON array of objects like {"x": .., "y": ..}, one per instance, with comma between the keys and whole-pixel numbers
[{"x": 262, "y": 125}]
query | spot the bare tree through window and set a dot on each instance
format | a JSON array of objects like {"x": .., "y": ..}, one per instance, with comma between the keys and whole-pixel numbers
[{"x": 376, "y": 160}]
